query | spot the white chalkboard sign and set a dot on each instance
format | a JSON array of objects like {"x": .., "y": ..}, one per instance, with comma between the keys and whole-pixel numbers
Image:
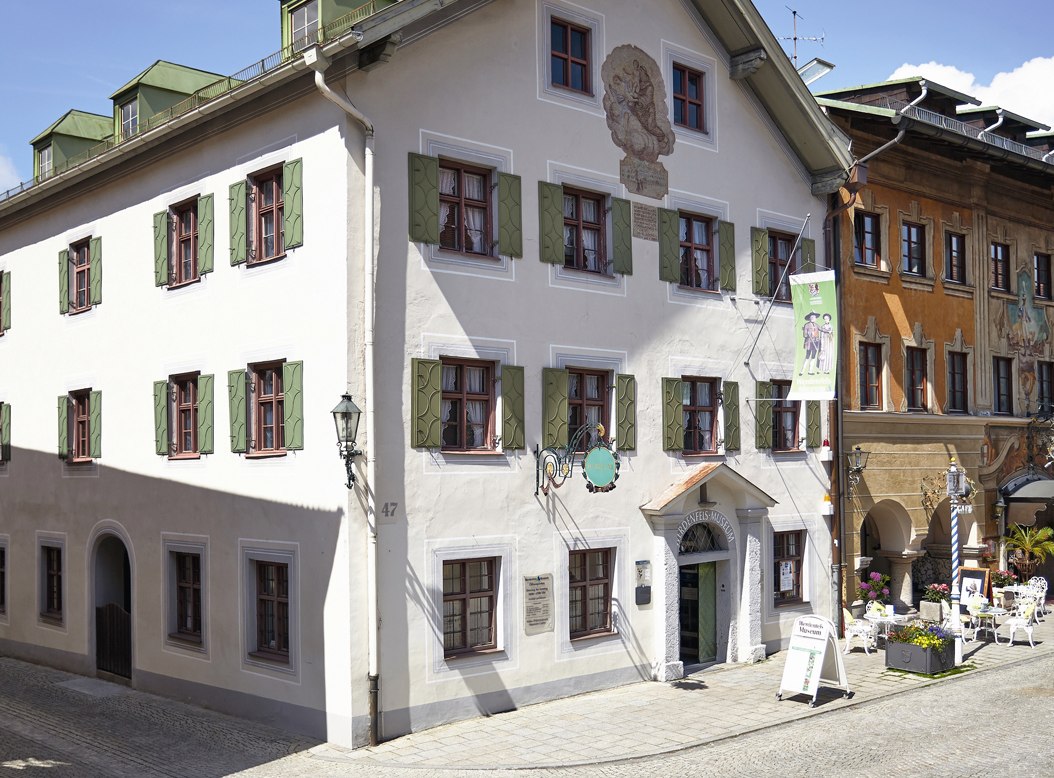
[{"x": 813, "y": 659}]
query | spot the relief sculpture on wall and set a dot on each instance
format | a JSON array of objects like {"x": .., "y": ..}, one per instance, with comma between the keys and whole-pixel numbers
[
  {"x": 635, "y": 105},
  {"x": 1024, "y": 326}
]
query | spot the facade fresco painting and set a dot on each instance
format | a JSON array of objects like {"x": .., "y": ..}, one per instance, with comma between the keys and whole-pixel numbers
[{"x": 1025, "y": 328}]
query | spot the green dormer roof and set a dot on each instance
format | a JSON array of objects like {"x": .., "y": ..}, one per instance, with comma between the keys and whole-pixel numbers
[
  {"x": 170, "y": 76},
  {"x": 79, "y": 124}
]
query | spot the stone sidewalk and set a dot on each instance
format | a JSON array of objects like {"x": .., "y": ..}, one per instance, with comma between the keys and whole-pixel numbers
[{"x": 647, "y": 719}]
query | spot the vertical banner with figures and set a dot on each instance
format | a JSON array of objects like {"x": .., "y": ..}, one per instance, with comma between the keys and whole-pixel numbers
[{"x": 816, "y": 332}]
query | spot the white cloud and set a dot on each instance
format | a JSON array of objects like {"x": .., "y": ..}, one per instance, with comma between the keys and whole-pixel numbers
[
  {"x": 8, "y": 175},
  {"x": 1023, "y": 90}
]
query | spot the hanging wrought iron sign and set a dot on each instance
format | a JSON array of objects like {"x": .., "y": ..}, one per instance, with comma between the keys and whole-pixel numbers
[{"x": 600, "y": 463}]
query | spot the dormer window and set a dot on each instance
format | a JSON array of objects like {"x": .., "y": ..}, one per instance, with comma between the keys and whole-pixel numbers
[
  {"x": 303, "y": 25},
  {"x": 44, "y": 162},
  {"x": 129, "y": 118}
]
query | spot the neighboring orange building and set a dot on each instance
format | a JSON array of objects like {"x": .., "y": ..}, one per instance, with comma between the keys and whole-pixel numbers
[{"x": 945, "y": 272}]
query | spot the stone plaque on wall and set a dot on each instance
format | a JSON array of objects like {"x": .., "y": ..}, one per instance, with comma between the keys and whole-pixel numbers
[
  {"x": 645, "y": 222},
  {"x": 538, "y": 604}
]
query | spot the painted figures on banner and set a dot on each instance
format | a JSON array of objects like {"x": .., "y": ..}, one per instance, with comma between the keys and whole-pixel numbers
[{"x": 816, "y": 357}]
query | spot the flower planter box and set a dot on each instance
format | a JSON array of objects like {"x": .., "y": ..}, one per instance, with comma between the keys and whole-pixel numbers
[{"x": 916, "y": 659}]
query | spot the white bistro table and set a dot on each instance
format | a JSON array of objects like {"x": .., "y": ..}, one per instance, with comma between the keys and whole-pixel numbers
[{"x": 883, "y": 621}]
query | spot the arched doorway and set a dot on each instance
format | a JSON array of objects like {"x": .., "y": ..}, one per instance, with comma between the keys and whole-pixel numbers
[
  {"x": 113, "y": 607},
  {"x": 702, "y": 549}
]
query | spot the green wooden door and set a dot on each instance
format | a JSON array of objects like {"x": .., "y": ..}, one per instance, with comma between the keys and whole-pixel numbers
[{"x": 698, "y": 613}]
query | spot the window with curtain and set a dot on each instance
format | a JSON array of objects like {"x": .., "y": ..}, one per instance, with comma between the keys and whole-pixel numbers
[
  {"x": 587, "y": 402},
  {"x": 787, "y": 556},
  {"x": 470, "y": 590},
  {"x": 784, "y": 418},
  {"x": 590, "y": 577},
  {"x": 699, "y": 401},
  {"x": 584, "y": 231},
  {"x": 467, "y": 405},
  {"x": 697, "y": 255},
  {"x": 464, "y": 208}
]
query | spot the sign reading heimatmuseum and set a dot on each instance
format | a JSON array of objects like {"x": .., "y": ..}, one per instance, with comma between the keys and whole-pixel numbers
[{"x": 538, "y": 604}]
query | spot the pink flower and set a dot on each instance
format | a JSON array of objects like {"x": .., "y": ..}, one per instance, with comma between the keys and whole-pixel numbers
[
  {"x": 873, "y": 595},
  {"x": 885, "y": 592},
  {"x": 876, "y": 576}
]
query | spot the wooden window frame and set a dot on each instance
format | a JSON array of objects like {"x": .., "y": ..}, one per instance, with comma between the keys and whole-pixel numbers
[
  {"x": 870, "y": 359},
  {"x": 262, "y": 599},
  {"x": 583, "y": 585},
  {"x": 685, "y": 102},
  {"x": 80, "y": 277},
  {"x": 783, "y": 408},
  {"x": 782, "y": 255},
  {"x": 188, "y": 587},
  {"x": 782, "y": 552},
  {"x": 261, "y": 402},
  {"x": 1044, "y": 388},
  {"x": 691, "y": 277},
  {"x": 1002, "y": 386},
  {"x": 913, "y": 249},
  {"x": 955, "y": 257},
  {"x": 583, "y": 403},
  {"x": 180, "y": 237},
  {"x": 180, "y": 405},
  {"x": 863, "y": 254},
  {"x": 916, "y": 382},
  {"x": 1041, "y": 268},
  {"x": 80, "y": 426},
  {"x": 463, "y": 397},
  {"x": 568, "y": 59},
  {"x": 51, "y": 601},
  {"x": 462, "y": 203},
  {"x": 296, "y": 43},
  {"x": 578, "y": 224},
  {"x": 958, "y": 386},
  {"x": 999, "y": 256},
  {"x": 259, "y": 183},
  {"x": 466, "y": 595},
  {"x": 694, "y": 431},
  {"x": 129, "y": 126}
]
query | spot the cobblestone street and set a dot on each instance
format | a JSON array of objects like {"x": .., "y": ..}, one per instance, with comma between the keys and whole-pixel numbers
[{"x": 726, "y": 719}]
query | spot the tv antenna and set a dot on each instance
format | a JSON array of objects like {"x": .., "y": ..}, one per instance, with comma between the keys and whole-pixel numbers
[{"x": 795, "y": 37}]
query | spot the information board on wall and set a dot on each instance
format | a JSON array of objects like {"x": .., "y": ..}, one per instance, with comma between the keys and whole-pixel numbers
[
  {"x": 813, "y": 659},
  {"x": 538, "y": 604}
]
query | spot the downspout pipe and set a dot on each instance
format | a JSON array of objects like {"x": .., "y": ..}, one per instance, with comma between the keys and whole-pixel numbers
[
  {"x": 999, "y": 121},
  {"x": 903, "y": 132},
  {"x": 318, "y": 62}
]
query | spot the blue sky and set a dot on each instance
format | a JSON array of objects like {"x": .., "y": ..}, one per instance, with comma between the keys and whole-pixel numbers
[{"x": 1001, "y": 54}]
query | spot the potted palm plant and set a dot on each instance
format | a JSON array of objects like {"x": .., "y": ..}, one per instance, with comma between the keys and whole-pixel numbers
[{"x": 1029, "y": 547}]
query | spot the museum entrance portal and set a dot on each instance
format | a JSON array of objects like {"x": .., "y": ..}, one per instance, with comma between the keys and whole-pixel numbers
[{"x": 698, "y": 613}]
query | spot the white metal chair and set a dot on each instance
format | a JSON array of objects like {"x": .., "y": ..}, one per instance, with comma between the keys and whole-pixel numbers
[
  {"x": 1039, "y": 584},
  {"x": 858, "y": 628},
  {"x": 1023, "y": 617},
  {"x": 972, "y": 617}
]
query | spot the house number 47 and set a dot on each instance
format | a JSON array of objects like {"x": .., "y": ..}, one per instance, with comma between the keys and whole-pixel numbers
[{"x": 389, "y": 509}]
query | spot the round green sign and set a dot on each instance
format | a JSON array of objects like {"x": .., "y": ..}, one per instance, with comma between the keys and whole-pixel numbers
[{"x": 600, "y": 466}]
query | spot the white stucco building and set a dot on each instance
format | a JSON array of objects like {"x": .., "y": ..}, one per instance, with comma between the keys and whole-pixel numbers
[{"x": 577, "y": 215}]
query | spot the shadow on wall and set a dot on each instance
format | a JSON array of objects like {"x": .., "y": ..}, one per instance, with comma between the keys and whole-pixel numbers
[{"x": 40, "y": 493}]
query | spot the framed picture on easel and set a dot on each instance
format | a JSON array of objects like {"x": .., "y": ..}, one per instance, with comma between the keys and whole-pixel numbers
[{"x": 973, "y": 582}]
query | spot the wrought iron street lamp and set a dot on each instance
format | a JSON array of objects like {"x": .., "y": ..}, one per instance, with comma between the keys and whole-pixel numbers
[
  {"x": 857, "y": 463},
  {"x": 346, "y": 418}
]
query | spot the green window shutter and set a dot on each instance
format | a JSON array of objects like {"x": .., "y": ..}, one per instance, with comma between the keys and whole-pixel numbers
[
  {"x": 239, "y": 247},
  {"x": 206, "y": 444},
  {"x": 759, "y": 260},
  {"x": 512, "y": 411},
  {"x": 64, "y": 426},
  {"x": 293, "y": 204},
  {"x": 206, "y": 235},
  {"x": 293, "y": 404},
  {"x": 95, "y": 260},
  {"x": 236, "y": 398},
  {"x": 672, "y": 414},
  {"x": 161, "y": 439},
  {"x": 813, "y": 425},
  {"x": 554, "y": 407},
  {"x": 424, "y": 199},
  {"x": 763, "y": 411},
  {"x": 726, "y": 256},
  {"x": 425, "y": 401},
  {"x": 64, "y": 281},
  {"x": 622, "y": 236},
  {"x": 669, "y": 246},
  {"x": 808, "y": 255},
  {"x": 5, "y": 308},
  {"x": 510, "y": 215},
  {"x": 730, "y": 405},
  {"x": 625, "y": 412},
  {"x": 161, "y": 248},
  {"x": 95, "y": 425},
  {"x": 550, "y": 223},
  {"x": 5, "y": 433}
]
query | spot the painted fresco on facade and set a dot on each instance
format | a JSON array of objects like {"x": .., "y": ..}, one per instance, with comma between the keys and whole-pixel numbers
[
  {"x": 1025, "y": 328},
  {"x": 635, "y": 104}
]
